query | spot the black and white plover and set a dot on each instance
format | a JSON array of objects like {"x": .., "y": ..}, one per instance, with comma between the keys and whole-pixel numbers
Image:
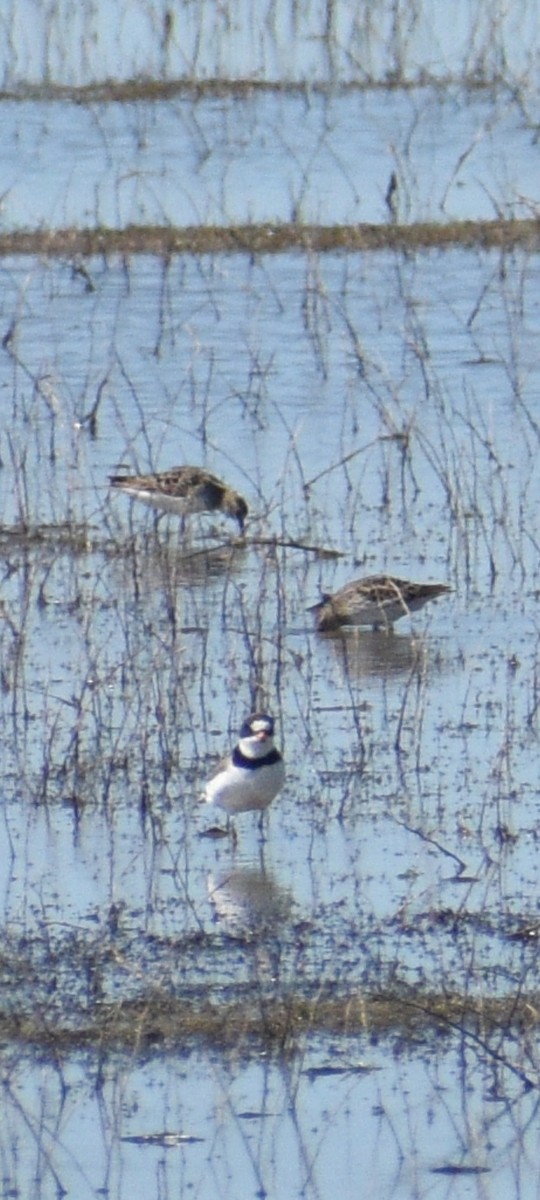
[{"x": 249, "y": 778}]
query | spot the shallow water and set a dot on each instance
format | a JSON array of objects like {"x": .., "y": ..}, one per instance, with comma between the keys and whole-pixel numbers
[
  {"x": 458, "y": 155},
  {"x": 460, "y": 505},
  {"x": 274, "y": 42},
  {"x": 402, "y": 851},
  {"x": 379, "y": 412},
  {"x": 396, "y": 1117}
]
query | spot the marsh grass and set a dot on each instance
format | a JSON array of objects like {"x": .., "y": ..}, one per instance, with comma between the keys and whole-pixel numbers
[
  {"x": 498, "y": 234},
  {"x": 278, "y": 1026}
]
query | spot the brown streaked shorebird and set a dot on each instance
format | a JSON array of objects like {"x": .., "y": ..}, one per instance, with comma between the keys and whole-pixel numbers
[
  {"x": 377, "y": 600},
  {"x": 183, "y": 490}
]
